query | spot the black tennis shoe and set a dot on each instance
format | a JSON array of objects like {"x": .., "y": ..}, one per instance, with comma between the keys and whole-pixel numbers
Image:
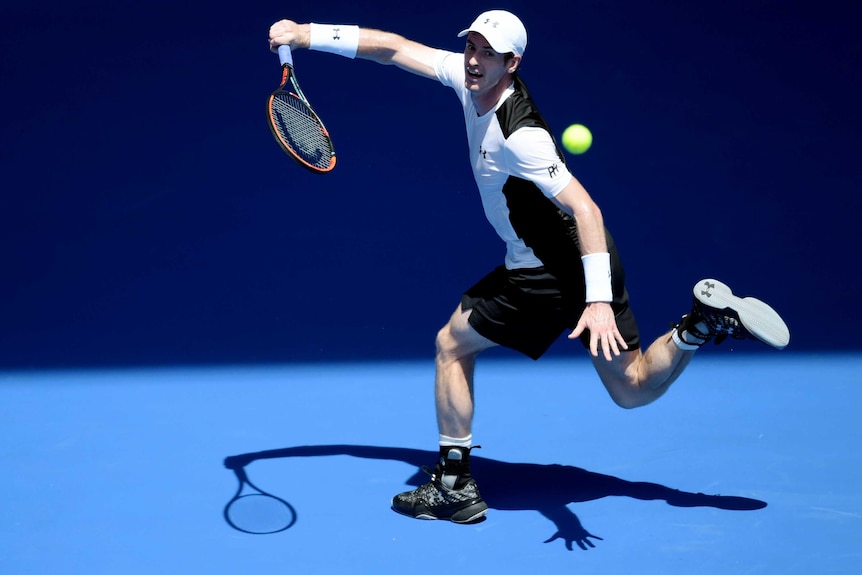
[
  {"x": 722, "y": 314},
  {"x": 436, "y": 501}
]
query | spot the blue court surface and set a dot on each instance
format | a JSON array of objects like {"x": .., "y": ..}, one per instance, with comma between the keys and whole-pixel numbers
[{"x": 750, "y": 464}]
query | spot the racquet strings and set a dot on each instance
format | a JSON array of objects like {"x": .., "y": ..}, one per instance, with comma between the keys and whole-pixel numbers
[{"x": 300, "y": 129}]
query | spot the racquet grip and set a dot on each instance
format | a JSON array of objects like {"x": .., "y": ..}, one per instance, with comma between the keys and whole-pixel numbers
[{"x": 285, "y": 56}]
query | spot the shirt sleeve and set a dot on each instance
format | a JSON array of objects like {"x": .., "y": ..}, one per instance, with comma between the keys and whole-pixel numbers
[
  {"x": 449, "y": 69},
  {"x": 531, "y": 155}
]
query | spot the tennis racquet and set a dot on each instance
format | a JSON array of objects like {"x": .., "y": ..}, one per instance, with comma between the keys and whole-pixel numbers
[
  {"x": 295, "y": 126},
  {"x": 252, "y": 510}
]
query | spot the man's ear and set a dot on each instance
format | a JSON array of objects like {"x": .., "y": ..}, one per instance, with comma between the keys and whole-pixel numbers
[{"x": 514, "y": 64}]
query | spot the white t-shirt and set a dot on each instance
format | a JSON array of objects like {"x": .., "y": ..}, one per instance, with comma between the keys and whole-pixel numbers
[{"x": 518, "y": 168}]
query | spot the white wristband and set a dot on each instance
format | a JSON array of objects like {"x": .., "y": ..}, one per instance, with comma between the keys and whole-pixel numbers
[
  {"x": 597, "y": 274},
  {"x": 334, "y": 38}
]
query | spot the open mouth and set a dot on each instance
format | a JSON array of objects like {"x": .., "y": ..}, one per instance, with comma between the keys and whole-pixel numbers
[{"x": 474, "y": 75}]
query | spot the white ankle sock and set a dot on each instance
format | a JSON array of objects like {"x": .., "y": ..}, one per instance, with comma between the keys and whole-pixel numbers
[
  {"x": 682, "y": 344},
  {"x": 446, "y": 441}
]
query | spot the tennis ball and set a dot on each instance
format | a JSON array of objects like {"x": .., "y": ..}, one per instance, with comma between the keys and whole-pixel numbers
[{"x": 577, "y": 139}]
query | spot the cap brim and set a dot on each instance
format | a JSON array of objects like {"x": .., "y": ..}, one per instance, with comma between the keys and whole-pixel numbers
[{"x": 463, "y": 33}]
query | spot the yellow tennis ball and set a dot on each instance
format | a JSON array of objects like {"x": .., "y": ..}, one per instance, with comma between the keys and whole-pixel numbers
[{"x": 577, "y": 139}]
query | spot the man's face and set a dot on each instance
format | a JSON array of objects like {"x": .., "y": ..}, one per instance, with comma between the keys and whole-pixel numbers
[{"x": 484, "y": 66}]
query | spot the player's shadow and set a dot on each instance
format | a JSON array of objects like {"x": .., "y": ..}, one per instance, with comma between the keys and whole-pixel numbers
[{"x": 547, "y": 489}]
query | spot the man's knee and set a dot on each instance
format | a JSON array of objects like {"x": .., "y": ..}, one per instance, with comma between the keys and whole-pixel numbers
[
  {"x": 457, "y": 339},
  {"x": 449, "y": 340},
  {"x": 631, "y": 398},
  {"x": 444, "y": 340},
  {"x": 634, "y": 381},
  {"x": 622, "y": 384}
]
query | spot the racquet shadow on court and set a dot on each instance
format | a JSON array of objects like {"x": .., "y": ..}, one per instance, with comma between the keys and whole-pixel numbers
[{"x": 547, "y": 489}]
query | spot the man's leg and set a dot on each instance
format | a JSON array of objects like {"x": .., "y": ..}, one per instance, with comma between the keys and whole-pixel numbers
[
  {"x": 457, "y": 344},
  {"x": 452, "y": 493},
  {"x": 637, "y": 378}
]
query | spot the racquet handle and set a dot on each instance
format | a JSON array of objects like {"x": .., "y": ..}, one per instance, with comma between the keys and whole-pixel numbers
[{"x": 285, "y": 56}]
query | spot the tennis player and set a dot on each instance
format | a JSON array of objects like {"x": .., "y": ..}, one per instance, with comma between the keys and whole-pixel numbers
[{"x": 561, "y": 273}]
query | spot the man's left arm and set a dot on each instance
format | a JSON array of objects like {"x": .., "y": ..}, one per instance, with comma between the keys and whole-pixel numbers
[{"x": 598, "y": 317}]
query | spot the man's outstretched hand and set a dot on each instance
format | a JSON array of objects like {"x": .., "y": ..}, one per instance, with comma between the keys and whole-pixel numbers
[{"x": 598, "y": 318}]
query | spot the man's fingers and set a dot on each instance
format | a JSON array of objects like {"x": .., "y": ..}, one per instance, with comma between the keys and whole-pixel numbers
[
  {"x": 579, "y": 329},
  {"x": 622, "y": 340},
  {"x": 609, "y": 346},
  {"x": 594, "y": 345},
  {"x": 612, "y": 342}
]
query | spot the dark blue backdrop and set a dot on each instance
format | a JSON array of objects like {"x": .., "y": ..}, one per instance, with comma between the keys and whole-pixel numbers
[{"x": 148, "y": 217}]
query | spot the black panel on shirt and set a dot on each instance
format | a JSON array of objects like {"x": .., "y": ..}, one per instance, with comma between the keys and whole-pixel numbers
[{"x": 546, "y": 229}]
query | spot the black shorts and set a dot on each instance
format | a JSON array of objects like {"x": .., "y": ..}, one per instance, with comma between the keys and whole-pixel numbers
[{"x": 527, "y": 309}]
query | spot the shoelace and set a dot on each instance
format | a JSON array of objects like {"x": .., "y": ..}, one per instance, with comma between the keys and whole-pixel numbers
[{"x": 724, "y": 326}]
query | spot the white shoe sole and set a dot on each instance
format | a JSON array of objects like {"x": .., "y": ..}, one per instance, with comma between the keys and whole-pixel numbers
[{"x": 760, "y": 320}]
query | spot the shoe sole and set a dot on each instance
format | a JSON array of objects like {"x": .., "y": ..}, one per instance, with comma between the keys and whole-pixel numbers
[
  {"x": 760, "y": 320},
  {"x": 470, "y": 514}
]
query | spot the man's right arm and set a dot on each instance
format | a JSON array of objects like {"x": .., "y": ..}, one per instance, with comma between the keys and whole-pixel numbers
[{"x": 375, "y": 45}]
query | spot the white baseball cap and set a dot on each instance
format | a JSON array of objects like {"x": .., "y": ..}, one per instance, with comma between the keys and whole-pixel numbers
[{"x": 503, "y": 31}]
